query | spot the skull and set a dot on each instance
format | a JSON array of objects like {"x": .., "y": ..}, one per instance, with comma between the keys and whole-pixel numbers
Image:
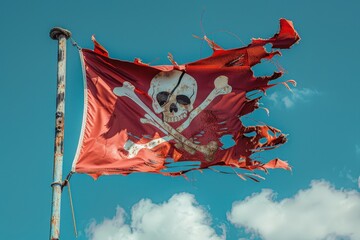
[{"x": 173, "y": 94}]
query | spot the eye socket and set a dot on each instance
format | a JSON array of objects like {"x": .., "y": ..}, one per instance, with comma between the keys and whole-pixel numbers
[
  {"x": 162, "y": 97},
  {"x": 182, "y": 99}
]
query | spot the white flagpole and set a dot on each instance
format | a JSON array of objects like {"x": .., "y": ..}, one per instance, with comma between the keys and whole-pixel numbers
[{"x": 61, "y": 35}]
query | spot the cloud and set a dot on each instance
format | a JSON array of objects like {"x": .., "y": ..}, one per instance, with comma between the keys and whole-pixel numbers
[
  {"x": 319, "y": 212},
  {"x": 288, "y": 100},
  {"x": 357, "y": 149},
  {"x": 347, "y": 173},
  {"x": 179, "y": 218}
]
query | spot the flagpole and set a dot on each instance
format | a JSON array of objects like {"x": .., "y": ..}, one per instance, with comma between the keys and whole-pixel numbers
[{"x": 61, "y": 35}]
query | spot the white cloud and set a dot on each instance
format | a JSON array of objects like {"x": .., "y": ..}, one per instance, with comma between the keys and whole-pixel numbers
[
  {"x": 288, "y": 99},
  {"x": 319, "y": 212},
  {"x": 348, "y": 174},
  {"x": 357, "y": 149},
  {"x": 287, "y": 102},
  {"x": 177, "y": 219},
  {"x": 274, "y": 97}
]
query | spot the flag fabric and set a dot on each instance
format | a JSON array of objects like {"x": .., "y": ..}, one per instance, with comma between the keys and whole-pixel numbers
[{"x": 142, "y": 118}]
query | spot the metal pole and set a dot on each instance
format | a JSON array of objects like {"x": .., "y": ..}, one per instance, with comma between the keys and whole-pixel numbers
[{"x": 61, "y": 35}]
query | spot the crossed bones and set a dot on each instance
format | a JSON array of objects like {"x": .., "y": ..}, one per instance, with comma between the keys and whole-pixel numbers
[{"x": 127, "y": 90}]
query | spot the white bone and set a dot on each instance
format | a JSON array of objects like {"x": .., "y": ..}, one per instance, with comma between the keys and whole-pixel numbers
[
  {"x": 149, "y": 120},
  {"x": 127, "y": 90},
  {"x": 221, "y": 88},
  {"x": 134, "y": 148}
]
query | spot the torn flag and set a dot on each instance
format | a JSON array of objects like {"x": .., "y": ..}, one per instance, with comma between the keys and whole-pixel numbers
[{"x": 142, "y": 118}]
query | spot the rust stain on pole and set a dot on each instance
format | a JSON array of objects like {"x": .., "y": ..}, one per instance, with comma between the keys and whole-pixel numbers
[{"x": 61, "y": 35}]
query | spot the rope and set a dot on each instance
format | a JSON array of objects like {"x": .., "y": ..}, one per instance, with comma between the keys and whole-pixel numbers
[
  {"x": 67, "y": 183},
  {"x": 72, "y": 210},
  {"x": 74, "y": 43}
]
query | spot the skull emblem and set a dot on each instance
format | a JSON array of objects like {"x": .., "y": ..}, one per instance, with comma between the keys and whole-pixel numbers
[{"x": 173, "y": 94}]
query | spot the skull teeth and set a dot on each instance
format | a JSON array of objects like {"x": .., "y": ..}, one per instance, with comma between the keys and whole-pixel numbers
[{"x": 175, "y": 118}]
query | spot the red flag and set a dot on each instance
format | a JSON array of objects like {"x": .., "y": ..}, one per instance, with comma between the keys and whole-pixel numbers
[{"x": 141, "y": 118}]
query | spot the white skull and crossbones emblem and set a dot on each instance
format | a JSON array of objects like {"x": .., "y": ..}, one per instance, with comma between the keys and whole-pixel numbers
[{"x": 173, "y": 94}]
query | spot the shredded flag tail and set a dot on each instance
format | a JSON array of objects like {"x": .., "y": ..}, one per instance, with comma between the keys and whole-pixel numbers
[
  {"x": 98, "y": 48},
  {"x": 143, "y": 118}
]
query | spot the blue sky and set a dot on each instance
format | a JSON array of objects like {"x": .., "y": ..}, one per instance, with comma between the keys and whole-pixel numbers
[{"x": 321, "y": 117}]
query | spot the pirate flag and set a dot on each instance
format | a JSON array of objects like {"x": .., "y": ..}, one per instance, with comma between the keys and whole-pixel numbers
[{"x": 142, "y": 118}]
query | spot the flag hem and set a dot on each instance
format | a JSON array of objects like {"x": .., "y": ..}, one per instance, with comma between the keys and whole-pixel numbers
[{"x": 82, "y": 131}]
